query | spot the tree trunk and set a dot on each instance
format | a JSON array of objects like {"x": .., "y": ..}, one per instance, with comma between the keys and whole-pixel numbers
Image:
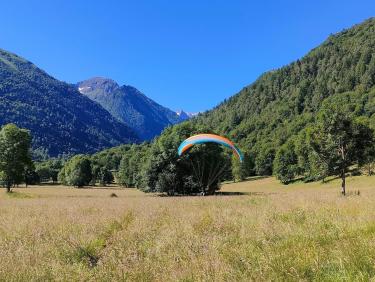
[
  {"x": 343, "y": 168},
  {"x": 8, "y": 187},
  {"x": 343, "y": 184}
]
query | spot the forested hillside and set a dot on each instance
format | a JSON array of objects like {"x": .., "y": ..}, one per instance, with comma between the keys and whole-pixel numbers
[
  {"x": 311, "y": 119},
  {"x": 61, "y": 120},
  {"x": 282, "y": 102},
  {"x": 146, "y": 117}
]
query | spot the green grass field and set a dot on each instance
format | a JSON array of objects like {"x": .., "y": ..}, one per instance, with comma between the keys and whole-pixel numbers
[{"x": 256, "y": 230}]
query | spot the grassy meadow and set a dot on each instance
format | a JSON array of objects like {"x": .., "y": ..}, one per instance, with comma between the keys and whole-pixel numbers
[{"x": 256, "y": 230}]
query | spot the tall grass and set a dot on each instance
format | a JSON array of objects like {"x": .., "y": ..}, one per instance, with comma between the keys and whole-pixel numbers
[{"x": 269, "y": 232}]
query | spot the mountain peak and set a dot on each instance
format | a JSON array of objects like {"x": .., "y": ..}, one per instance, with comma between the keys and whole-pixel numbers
[
  {"x": 130, "y": 106},
  {"x": 102, "y": 84},
  {"x": 184, "y": 115}
]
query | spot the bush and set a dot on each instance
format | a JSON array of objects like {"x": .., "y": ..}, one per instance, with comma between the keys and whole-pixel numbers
[{"x": 76, "y": 172}]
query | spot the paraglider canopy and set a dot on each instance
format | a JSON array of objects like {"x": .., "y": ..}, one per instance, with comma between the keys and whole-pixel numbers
[
  {"x": 209, "y": 166},
  {"x": 208, "y": 138}
]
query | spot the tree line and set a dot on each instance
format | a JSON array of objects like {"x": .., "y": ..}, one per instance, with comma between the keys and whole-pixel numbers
[{"x": 339, "y": 140}]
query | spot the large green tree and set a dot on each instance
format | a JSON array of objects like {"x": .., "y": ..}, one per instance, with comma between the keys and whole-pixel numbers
[
  {"x": 76, "y": 172},
  {"x": 15, "y": 158},
  {"x": 241, "y": 170},
  {"x": 339, "y": 139},
  {"x": 264, "y": 160},
  {"x": 105, "y": 176},
  {"x": 286, "y": 162},
  {"x": 132, "y": 166}
]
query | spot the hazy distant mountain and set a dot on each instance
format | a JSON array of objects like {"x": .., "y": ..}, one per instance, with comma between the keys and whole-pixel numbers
[
  {"x": 60, "y": 119},
  {"x": 146, "y": 117},
  {"x": 185, "y": 115}
]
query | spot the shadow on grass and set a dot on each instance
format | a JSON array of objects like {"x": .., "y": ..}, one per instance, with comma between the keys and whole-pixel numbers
[
  {"x": 249, "y": 179},
  {"x": 108, "y": 187},
  {"x": 47, "y": 184},
  {"x": 328, "y": 180},
  {"x": 230, "y": 193},
  {"x": 350, "y": 173},
  {"x": 59, "y": 185},
  {"x": 296, "y": 180},
  {"x": 17, "y": 195},
  {"x": 218, "y": 193},
  {"x": 254, "y": 178}
]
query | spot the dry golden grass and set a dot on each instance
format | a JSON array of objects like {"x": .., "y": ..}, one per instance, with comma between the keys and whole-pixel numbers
[{"x": 270, "y": 232}]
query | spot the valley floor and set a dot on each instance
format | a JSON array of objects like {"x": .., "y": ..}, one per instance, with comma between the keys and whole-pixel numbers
[{"x": 256, "y": 230}]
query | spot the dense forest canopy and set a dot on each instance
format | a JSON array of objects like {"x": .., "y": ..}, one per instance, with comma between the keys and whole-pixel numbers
[{"x": 281, "y": 102}]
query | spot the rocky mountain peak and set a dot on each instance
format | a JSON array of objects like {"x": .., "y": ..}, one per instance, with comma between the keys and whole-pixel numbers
[
  {"x": 105, "y": 85},
  {"x": 184, "y": 115}
]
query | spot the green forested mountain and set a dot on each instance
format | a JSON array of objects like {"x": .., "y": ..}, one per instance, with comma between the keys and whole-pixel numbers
[
  {"x": 146, "y": 117},
  {"x": 280, "y": 103},
  {"x": 60, "y": 119},
  {"x": 311, "y": 119}
]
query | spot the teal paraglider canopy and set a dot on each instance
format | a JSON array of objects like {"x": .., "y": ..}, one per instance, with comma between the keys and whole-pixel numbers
[{"x": 206, "y": 138}]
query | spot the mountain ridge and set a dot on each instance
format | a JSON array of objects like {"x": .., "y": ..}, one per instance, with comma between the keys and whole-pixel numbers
[
  {"x": 61, "y": 120},
  {"x": 129, "y": 105}
]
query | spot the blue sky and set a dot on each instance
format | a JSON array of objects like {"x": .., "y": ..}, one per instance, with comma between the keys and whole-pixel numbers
[{"x": 183, "y": 54}]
